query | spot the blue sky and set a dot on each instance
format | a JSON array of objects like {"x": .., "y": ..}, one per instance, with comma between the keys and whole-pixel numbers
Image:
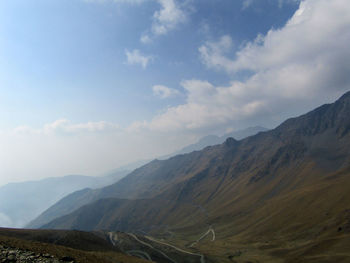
[
  {"x": 89, "y": 85},
  {"x": 64, "y": 58}
]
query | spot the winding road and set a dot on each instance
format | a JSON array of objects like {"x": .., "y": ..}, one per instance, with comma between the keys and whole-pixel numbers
[
  {"x": 151, "y": 247},
  {"x": 112, "y": 237},
  {"x": 210, "y": 230},
  {"x": 142, "y": 254},
  {"x": 139, "y": 254},
  {"x": 202, "y": 258}
]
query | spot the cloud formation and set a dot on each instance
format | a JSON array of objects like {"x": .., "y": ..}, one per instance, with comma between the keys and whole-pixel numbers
[
  {"x": 64, "y": 126},
  {"x": 135, "y": 57},
  {"x": 169, "y": 17},
  {"x": 213, "y": 54},
  {"x": 164, "y": 92},
  {"x": 171, "y": 14},
  {"x": 301, "y": 65}
]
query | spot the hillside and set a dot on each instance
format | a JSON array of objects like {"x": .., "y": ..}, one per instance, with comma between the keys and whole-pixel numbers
[{"x": 284, "y": 190}]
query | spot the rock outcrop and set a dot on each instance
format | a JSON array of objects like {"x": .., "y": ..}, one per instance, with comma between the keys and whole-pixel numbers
[{"x": 15, "y": 255}]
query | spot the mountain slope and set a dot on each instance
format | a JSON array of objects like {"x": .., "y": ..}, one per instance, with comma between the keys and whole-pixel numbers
[{"x": 290, "y": 183}]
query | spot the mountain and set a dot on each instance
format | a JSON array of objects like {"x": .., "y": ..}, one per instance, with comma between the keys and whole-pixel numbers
[
  {"x": 281, "y": 195},
  {"x": 82, "y": 197},
  {"x": 22, "y": 202}
]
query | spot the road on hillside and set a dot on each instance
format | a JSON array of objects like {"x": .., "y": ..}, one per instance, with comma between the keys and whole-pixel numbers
[
  {"x": 139, "y": 254},
  {"x": 113, "y": 237},
  {"x": 151, "y": 247},
  {"x": 202, "y": 258},
  {"x": 210, "y": 230}
]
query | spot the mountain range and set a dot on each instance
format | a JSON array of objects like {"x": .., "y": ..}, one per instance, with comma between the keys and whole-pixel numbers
[
  {"x": 84, "y": 196},
  {"x": 280, "y": 196},
  {"x": 22, "y": 202}
]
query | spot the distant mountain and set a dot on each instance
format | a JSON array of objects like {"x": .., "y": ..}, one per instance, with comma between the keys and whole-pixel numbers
[
  {"x": 82, "y": 197},
  {"x": 22, "y": 202},
  {"x": 286, "y": 186}
]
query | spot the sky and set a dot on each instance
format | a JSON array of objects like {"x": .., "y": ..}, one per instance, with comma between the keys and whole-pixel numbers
[{"x": 87, "y": 86}]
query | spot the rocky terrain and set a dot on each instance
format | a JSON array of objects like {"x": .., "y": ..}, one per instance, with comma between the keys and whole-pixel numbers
[
  {"x": 12, "y": 255},
  {"x": 52, "y": 246}
]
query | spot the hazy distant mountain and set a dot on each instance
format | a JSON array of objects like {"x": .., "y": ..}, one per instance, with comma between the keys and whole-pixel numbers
[
  {"x": 211, "y": 140},
  {"x": 289, "y": 186},
  {"x": 206, "y": 141},
  {"x": 22, "y": 202}
]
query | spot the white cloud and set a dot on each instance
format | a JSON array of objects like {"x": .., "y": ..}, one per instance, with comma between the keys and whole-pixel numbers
[
  {"x": 136, "y": 58},
  {"x": 312, "y": 44},
  {"x": 168, "y": 17},
  {"x": 206, "y": 106},
  {"x": 317, "y": 34},
  {"x": 145, "y": 39},
  {"x": 213, "y": 53},
  {"x": 164, "y": 92},
  {"x": 171, "y": 14},
  {"x": 293, "y": 69},
  {"x": 64, "y": 126}
]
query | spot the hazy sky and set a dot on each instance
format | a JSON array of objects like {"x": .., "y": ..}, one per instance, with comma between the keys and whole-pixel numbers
[{"x": 89, "y": 85}]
